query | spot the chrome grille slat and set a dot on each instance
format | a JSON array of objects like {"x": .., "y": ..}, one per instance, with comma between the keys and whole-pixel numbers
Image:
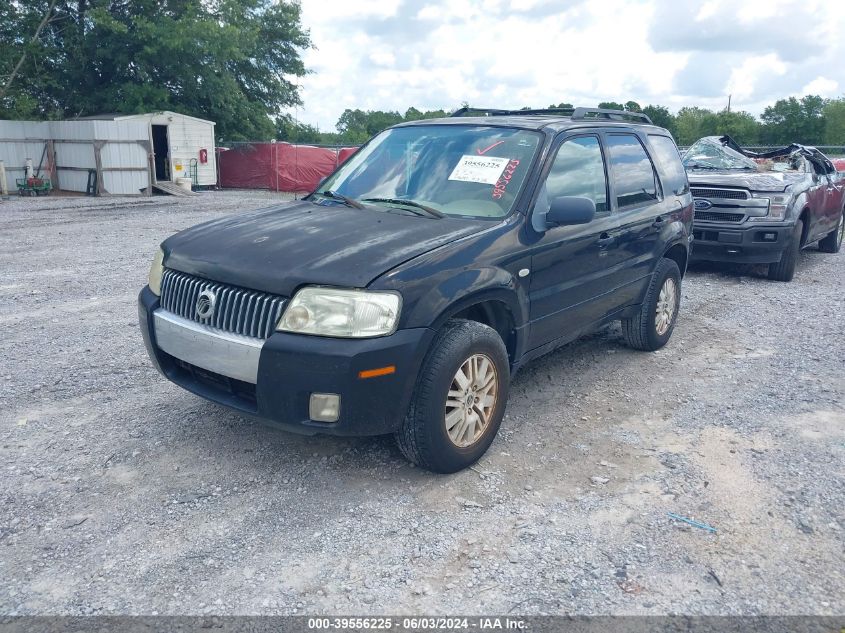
[{"x": 238, "y": 310}]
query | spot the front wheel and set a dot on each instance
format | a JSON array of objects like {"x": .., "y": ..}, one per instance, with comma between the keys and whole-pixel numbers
[
  {"x": 459, "y": 400},
  {"x": 832, "y": 242},
  {"x": 784, "y": 270},
  {"x": 653, "y": 325}
]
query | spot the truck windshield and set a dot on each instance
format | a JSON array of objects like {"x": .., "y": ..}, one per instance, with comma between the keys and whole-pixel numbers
[
  {"x": 456, "y": 170},
  {"x": 709, "y": 153}
]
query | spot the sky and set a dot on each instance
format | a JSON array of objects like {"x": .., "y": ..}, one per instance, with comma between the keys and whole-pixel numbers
[{"x": 433, "y": 54}]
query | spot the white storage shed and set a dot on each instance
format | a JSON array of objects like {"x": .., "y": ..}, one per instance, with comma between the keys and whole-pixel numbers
[
  {"x": 183, "y": 146},
  {"x": 112, "y": 154}
]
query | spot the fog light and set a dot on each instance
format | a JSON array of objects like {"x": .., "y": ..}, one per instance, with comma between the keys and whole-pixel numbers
[
  {"x": 324, "y": 407},
  {"x": 770, "y": 237}
]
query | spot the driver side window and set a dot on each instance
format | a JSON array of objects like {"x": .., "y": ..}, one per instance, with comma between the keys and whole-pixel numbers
[{"x": 578, "y": 171}]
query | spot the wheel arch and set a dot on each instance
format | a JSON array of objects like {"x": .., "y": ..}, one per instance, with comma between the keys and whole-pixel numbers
[{"x": 679, "y": 253}]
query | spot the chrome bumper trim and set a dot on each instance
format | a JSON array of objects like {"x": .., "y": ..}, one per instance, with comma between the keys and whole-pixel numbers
[{"x": 231, "y": 355}]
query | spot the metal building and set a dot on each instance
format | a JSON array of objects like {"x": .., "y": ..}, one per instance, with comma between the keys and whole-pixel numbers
[
  {"x": 183, "y": 146},
  {"x": 112, "y": 154}
]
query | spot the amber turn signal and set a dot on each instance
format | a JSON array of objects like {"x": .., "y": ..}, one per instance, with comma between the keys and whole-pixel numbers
[{"x": 381, "y": 371}]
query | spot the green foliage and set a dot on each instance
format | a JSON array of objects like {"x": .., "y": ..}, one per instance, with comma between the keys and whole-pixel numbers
[
  {"x": 223, "y": 60},
  {"x": 834, "y": 122},
  {"x": 799, "y": 120},
  {"x": 690, "y": 124},
  {"x": 661, "y": 117},
  {"x": 611, "y": 105}
]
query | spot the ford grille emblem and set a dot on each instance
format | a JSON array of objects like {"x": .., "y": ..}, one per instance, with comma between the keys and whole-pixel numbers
[
  {"x": 702, "y": 205},
  {"x": 205, "y": 304}
]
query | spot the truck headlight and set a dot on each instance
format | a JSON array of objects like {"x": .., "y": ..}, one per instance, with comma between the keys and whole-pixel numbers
[
  {"x": 778, "y": 204},
  {"x": 342, "y": 313},
  {"x": 156, "y": 271}
]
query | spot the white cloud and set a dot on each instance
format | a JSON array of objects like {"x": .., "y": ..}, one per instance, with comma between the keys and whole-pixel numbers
[
  {"x": 821, "y": 86},
  {"x": 392, "y": 54}
]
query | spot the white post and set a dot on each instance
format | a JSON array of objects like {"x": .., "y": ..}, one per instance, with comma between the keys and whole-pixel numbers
[
  {"x": 4, "y": 187},
  {"x": 29, "y": 170}
]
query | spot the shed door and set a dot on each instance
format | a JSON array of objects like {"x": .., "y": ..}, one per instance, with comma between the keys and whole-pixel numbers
[{"x": 161, "y": 150}]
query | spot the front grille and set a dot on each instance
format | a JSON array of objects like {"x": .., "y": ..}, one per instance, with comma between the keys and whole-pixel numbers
[
  {"x": 729, "y": 194},
  {"x": 715, "y": 216},
  {"x": 236, "y": 310}
]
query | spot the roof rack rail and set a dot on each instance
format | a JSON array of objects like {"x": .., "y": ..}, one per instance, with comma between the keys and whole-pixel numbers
[
  {"x": 468, "y": 111},
  {"x": 603, "y": 113},
  {"x": 575, "y": 113}
]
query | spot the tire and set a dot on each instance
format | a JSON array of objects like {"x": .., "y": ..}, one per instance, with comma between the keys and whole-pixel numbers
[
  {"x": 832, "y": 242},
  {"x": 653, "y": 325},
  {"x": 784, "y": 270},
  {"x": 423, "y": 436}
]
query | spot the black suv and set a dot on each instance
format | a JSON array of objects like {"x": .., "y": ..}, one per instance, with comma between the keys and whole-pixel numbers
[{"x": 402, "y": 295}]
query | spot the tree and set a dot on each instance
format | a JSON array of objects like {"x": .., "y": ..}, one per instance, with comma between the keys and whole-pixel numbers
[
  {"x": 794, "y": 121},
  {"x": 632, "y": 106},
  {"x": 834, "y": 122},
  {"x": 356, "y": 126},
  {"x": 741, "y": 126},
  {"x": 291, "y": 131},
  {"x": 568, "y": 106},
  {"x": 691, "y": 123},
  {"x": 661, "y": 117},
  {"x": 611, "y": 105},
  {"x": 224, "y": 60}
]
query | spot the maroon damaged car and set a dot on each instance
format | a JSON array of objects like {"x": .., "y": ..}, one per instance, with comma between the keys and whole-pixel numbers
[{"x": 763, "y": 208}]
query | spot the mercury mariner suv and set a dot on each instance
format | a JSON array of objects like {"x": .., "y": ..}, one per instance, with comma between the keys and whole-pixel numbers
[{"x": 404, "y": 293}]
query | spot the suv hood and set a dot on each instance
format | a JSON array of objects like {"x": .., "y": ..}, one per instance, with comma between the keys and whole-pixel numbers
[
  {"x": 755, "y": 181},
  {"x": 283, "y": 247}
]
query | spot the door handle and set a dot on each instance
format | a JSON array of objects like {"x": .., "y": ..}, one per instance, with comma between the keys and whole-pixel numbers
[
  {"x": 658, "y": 222},
  {"x": 605, "y": 239}
]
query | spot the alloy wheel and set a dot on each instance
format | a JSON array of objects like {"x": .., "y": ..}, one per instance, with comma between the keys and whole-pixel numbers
[
  {"x": 667, "y": 301},
  {"x": 471, "y": 400}
]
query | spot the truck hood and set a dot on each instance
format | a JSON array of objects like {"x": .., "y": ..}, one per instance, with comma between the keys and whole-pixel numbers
[
  {"x": 282, "y": 247},
  {"x": 755, "y": 181}
]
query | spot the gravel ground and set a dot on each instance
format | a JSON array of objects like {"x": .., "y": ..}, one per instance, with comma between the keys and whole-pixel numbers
[{"x": 124, "y": 494}]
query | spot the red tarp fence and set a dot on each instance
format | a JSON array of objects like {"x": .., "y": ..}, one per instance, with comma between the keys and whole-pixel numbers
[{"x": 278, "y": 166}]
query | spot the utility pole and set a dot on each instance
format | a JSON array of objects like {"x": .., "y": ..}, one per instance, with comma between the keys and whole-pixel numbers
[
  {"x": 729, "y": 102},
  {"x": 23, "y": 55}
]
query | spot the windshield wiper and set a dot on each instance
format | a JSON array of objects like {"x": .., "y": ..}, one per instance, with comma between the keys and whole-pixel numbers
[
  {"x": 410, "y": 203},
  {"x": 333, "y": 195}
]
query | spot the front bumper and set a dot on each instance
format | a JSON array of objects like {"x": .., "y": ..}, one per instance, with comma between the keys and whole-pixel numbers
[
  {"x": 744, "y": 243},
  {"x": 274, "y": 379}
]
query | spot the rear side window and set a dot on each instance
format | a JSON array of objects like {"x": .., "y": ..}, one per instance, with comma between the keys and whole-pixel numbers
[
  {"x": 578, "y": 171},
  {"x": 633, "y": 173},
  {"x": 669, "y": 166}
]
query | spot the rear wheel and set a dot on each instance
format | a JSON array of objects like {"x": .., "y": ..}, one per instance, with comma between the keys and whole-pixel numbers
[
  {"x": 652, "y": 327},
  {"x": 459, "y": 400},
  {"x": 784, "y": 270},
  {"x": 832, "y": 242}
]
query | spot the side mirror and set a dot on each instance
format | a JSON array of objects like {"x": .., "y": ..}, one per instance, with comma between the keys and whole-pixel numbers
[{"x": 568, "y": 210}]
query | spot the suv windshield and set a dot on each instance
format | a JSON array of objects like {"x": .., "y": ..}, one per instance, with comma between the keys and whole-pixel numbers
[
  {"x": 456, "y": 170},
  {"x": 709, "y": 153}
]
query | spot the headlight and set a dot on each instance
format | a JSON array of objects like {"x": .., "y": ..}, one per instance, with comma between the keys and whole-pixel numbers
[
  {"x": 778, "y": 204},
  {"x": 342, "y": 313},
  {"x": 155, "y": 272}
]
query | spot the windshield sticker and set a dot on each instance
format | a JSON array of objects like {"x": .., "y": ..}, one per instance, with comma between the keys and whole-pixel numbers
[
  {"x": 484, "y": 170},
  {"x": 504, "y": 181}
]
